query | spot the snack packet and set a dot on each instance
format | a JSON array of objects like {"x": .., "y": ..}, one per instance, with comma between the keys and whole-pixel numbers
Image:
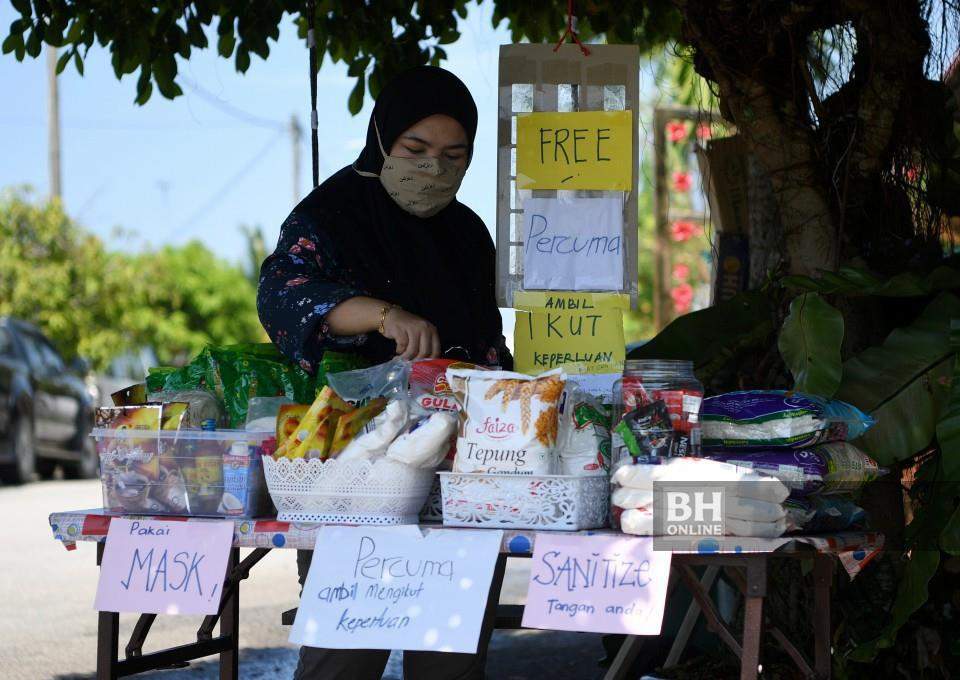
[
  {"x": 508, "y": 421},
  {"x": 647, "y": 433}
]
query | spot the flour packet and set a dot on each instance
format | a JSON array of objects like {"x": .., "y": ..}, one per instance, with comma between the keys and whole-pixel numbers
[{"x": 508, "y": 421}]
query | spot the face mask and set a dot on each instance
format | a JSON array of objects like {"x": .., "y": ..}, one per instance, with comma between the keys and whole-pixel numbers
[{"x": 421, "y": 186}]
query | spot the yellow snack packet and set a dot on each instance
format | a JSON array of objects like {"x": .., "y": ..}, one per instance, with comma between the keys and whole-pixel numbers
[
  {"x": 351, "y": 424},
  {"x": 317, "y": 445}
]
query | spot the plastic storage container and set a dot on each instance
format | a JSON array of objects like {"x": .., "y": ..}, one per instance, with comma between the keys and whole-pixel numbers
[
  {"x": 187, "y": 472},
  {"x": 646, "y": 381},
  {"x": 502, "y": 501}
]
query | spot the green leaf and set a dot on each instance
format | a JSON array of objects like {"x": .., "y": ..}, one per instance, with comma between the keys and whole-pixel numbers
[
  {"x": 242, "y": 59},
  {"x": 22, "y": 6},
  {"x": 950, "y": 536},
  {"x": 948, "y": 428},
  {"x": 903, "y": 383},
  {"x": 710, "y": 334},
  {"x": 810, "y": 344},
  {"x": 78, "y": 62},
  {"x": 13, "y": 42},
  {"x": 225, "y": 44},
  {"x": 34, "y": 43},
  {"x": 355, "y": 103},
  {"x": 144, "y": 86},
  {"x": 62, "y": 61},
  {"x": 856, "y": 282},
  {"x": 911, "y": 595}
]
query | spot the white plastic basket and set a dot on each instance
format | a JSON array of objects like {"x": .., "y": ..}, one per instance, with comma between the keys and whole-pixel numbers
[
  {"x": 346, "y": 492},
  {"x": 525, "y": 501}
]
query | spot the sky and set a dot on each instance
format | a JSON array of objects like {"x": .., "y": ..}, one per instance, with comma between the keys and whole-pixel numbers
[
  {"x": 171, "y": 171},
  {"x": 219, "y": 156}
]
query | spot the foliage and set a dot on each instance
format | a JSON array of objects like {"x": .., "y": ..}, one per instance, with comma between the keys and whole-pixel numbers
[
  {"x": 97, "y": 304},
  {"x": 904, "y": 383},
  {"x": 375, "y": 40},
  {"x": 810, "y": 343}
]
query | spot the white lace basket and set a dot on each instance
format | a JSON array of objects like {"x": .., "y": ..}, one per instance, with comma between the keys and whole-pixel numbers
[
  {"x": 346, "y": 492},
  {"x": 525, "y": 501}
]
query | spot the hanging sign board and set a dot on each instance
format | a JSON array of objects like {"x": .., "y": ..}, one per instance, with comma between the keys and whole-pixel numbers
[
  {"x": 597, "y": 584},
  {"x": 575, "y": 150},
  {"x": 396, "y": 588},
  {"x": 163, "y": 567},
  {"x": 573, "y": 243}
]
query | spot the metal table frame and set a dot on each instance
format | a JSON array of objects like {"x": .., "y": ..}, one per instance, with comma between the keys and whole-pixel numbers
[{"x": 747, "y": 571}]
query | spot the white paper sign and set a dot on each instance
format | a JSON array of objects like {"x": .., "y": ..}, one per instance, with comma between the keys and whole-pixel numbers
[
  {"x": 163, "y": 566},
  {"x": 395, "y": 588},
  {"x": 573, "y": 243}
]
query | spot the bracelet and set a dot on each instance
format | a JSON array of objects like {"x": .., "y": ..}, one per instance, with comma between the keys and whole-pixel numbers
[{"x": 383, "y": 315}]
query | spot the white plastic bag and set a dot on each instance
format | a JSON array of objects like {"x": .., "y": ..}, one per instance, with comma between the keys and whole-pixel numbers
[
  {"x": 425, "y": 446},
  {"x": 638, "y": 522},
  {"x": 386, "y": 427},
  {"x": 739, "y": 527},
  {"x": 740, "y": 481},
  {"x": 628, "y": 498}
]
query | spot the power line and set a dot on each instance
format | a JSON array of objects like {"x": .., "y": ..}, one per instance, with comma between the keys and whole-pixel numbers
[
  {"x": 230, "y": 109},
  {"x": 230, "y": 184}
]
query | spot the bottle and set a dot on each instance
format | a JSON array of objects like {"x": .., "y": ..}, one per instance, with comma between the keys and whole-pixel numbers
[{"x": 646, "y": 381}]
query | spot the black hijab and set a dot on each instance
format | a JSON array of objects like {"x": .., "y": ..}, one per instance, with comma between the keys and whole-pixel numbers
[
  {"x": 441, "y": 267},
  {"x": 409, "y": 98}
]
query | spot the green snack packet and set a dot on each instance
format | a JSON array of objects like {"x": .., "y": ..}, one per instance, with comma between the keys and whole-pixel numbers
[{"x": 236, "y": 373}]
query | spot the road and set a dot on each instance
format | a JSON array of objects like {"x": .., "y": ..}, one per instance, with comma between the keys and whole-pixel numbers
[{"x": 48, "y": 627}]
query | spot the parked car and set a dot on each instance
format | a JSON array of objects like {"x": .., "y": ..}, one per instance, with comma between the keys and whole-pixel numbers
[{"x": 46, "y": 408}]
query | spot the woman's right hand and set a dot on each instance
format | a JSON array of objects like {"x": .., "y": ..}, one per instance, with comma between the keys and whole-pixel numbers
[{"x": 416, "y": 337}]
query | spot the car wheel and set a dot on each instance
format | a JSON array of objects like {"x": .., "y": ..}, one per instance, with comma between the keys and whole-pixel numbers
[
  {"x": 88, "y": 467},
  {"x": 46, "y": 468},
  {"x": 21, "y": 469}
]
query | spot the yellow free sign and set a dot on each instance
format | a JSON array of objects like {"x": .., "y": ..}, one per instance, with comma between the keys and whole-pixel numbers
[
  {"x": 587, "y": 335},
  {"x": 577, "y": 150}
]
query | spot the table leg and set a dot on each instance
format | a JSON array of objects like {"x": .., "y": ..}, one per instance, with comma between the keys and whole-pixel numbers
[
  {"x": 822, "y": 580},
  {"x": 108, "y": 636},
  {"x": 230, "y": 626},
  {"x": 753, "y": 616},
  {"x": 690, "y": 620}
]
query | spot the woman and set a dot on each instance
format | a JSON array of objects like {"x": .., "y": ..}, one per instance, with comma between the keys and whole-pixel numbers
[{"x": 383, "y": 260}]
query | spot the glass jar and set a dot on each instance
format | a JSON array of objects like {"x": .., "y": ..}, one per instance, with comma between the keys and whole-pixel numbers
[{"x": 647, "y": 381}]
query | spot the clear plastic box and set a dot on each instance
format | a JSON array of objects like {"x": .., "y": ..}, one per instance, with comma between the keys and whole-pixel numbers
[{"x": 186, "y": 472}]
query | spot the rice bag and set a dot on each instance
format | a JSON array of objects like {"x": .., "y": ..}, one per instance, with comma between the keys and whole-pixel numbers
[
  {"x": 508, "y": 421},
  {"x": 742, "y": 482},
  {"x": 826, "y": 513},
  {"x": 386, "y": 426},
  {"x": 778, "y": 419},
  {"x": 628, "y": 498},
  {"x": 739, "y": 527},
  {"x": 638, "y": 522},
  {"x": 752, "y": 510},
  {"x": 426, "y": 445},
  {"x": 837, "y": 467},
  {"x": 584, "y": 434}
]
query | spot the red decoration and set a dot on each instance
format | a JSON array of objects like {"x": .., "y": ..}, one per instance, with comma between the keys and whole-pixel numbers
[
  {"x": 912, "y": 174},
  {"x": 682, "y": 298},
  {"x": 676, "y": 131},
  {"x": 682, "y": 182},
  {"x": 682, "y": 230},
  {"x": 681, "y": 272},
  {"x": 704, "y": 131}
]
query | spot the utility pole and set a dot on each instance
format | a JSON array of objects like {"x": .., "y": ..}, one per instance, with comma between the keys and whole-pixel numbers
[
  {"x": 296, "y": 133},
  {"x": 53, "y": 124}
]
